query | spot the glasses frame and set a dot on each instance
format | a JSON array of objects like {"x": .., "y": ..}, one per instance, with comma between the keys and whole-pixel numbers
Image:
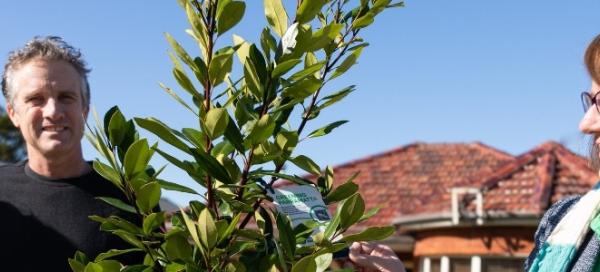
[{"x": 593, "y": 99}]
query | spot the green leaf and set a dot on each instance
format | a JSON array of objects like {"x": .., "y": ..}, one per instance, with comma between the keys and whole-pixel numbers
[
  {"x": 117, "y": 127},
  {"x": 115, "y": 252},
  {"x": 286, "y": 140},
  {"x": 276, "y": 16},
  {"x": 370, "y": 213},
  {"x": 230, "y": 15},
  {"x": 370, "y": 234},
  {"x": 308, "y": 10},
  {"x": 191, "y": 227},
  {"x": 310, "y": 59},
  {"x": 334, "y": 98},
  {"x": 363, "y": 21},
  {"x": 199, "y": 29},
  {"x": 342, "y": 192},
  {"x": 153, "y": 221},
  {"x": 243, "y": 48},
  {"x": 303, "y": 88},
  {"x": 178, "y": 247},
  {"x": 148, "y": 196},
  {"x": 162, "y": 131},
  {"x": 326, "y": 129},
  {"x": 351, "y": 211},
  {"x": 306, "y": 164},
  {"x": 233, "y": 134},
  {"x": 211, "y": 166},
  {"x": 129, "y": 238},
  {"x": 185, "y": 82},
  {"x": 171, "y": 186},
  {"x": 76, "y": 266},
  {"x": 103, "y": 266},
  {"x": 230, "y": 228},
  {"x": 118, "y": 204},
  {"x": 181, "y": 53},
  {"x": 323, "y": 37},
  {"x": 220, "y": 66},
  {"x": 286, "y": 236},
  {"x": 306, "y": 264},
  {"x": 323, "y": 261},
  {"x": 252, "y": 79},
  {"x": 332, "y": 226},
  {"x": 295, "y": 179},
  {"x": 262, "y": 130},
  {"x": 285, "y": 67},
  {"x": 137, "y": 157},
  {"x": 177, "y": 98},
  {"x": 347, "y": 63},
  {"x": 108, "y": 173},
  {"x": 308, "y": 71},
  {"x": 216, "y": 123},
  {"x": 207, "y": 229}
]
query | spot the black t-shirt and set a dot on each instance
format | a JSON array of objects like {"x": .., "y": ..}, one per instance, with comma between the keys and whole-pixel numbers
[{"x": 43, "y": 221}]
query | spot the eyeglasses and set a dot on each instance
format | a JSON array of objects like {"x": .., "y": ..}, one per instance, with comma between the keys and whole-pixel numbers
[{"x": 588, "y": 100}]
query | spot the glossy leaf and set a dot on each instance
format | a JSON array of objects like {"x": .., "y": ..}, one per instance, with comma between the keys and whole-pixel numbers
[
  {"x": 207, "y": 229},
  {"x": 171, "y": 186},
  {"x": 323, "y": 37},
  {"x": 216, "y": 123},
  {"x": 286, "y": 235},
  {"x": 306, "y": 164},
  {"x": 148, "y": 196},
  {"x": 285, "y": 67},
  {"x": 276, "y": 16},
  {"x": 342, "y": 192},
  {"x": 162, "y": 131},
  {"x": 302, "y": 89},
  {"x": 108, "y": 173},
  {"x": 370, "y": 234},
  {"x": 326, "y": 129},
  {"x": 153, "y": 221},
  {"x": 230, "y": 15},
  {"x": 323, "y": 261},
  {"x": 211, "y": 166},
  {"x": 262, "y": 130},
  {"x": 308, "y": 9},
  {"x": 118, "y": 204},
  {"x": 115, "y": 252},
  {"x": 137, "y": 157},
  {"x": 306, "y": 264},
  {"x": 347, "y": 63},
  {"x": 220, "y": 66},
  {"x": 351, "y": 211}
]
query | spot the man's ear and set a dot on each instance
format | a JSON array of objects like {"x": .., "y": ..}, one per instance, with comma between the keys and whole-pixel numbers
[
  {"x": 14, "y": 117},
  {"x": 86, "y": 110}
]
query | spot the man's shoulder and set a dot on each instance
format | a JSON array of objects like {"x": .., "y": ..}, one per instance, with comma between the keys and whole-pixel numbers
[{"x": 8, "y": 169}]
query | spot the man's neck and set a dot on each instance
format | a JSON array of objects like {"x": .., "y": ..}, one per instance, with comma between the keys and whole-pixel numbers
[{"x": 59, "y": 168}]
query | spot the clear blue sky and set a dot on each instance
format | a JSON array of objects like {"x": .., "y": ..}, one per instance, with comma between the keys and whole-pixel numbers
[{"x": 506, "y": 73}]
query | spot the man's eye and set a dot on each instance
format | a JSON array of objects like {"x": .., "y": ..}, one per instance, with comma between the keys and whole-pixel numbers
[{"x": 35, "y": 100}]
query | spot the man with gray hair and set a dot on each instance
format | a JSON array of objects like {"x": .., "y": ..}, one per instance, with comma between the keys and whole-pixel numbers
[{"x": 45, "y": 201}]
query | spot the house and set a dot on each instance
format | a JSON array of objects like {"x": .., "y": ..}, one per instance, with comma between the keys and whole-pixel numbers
[{"x": 465, "y": 207}]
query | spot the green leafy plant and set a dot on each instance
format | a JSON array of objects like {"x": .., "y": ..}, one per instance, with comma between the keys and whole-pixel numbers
[{"x": 240, "y": 144}]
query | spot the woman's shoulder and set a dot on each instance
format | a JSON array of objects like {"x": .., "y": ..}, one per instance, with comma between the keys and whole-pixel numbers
[{"x": 558, "y": 210}]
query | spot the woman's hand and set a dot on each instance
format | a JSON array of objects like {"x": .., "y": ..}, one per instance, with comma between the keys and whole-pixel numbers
[{"x": 374, "y": 257}]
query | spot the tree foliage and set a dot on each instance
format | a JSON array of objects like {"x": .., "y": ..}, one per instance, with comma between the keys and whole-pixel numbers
[
  {"x": 247, "y": 129},
  {"x": 12, "y": 146}
]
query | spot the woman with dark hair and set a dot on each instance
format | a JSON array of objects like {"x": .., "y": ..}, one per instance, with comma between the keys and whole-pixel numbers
[{"x": 567, "y": 238}]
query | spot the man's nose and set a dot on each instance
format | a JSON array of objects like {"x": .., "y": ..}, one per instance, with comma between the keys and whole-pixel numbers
[
  {"x": 590, "y": 123},
  {"x": 52, "y": 109}
]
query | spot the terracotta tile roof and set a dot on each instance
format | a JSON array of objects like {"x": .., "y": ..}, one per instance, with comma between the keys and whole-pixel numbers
[
  {"x": 416, "y": 179},
  {"x": 536, "y": 179},
  {"x": 405, "y": 180}
]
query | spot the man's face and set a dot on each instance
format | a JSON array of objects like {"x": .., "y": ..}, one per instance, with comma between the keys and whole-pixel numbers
[{"x": 47, "y": 107}]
